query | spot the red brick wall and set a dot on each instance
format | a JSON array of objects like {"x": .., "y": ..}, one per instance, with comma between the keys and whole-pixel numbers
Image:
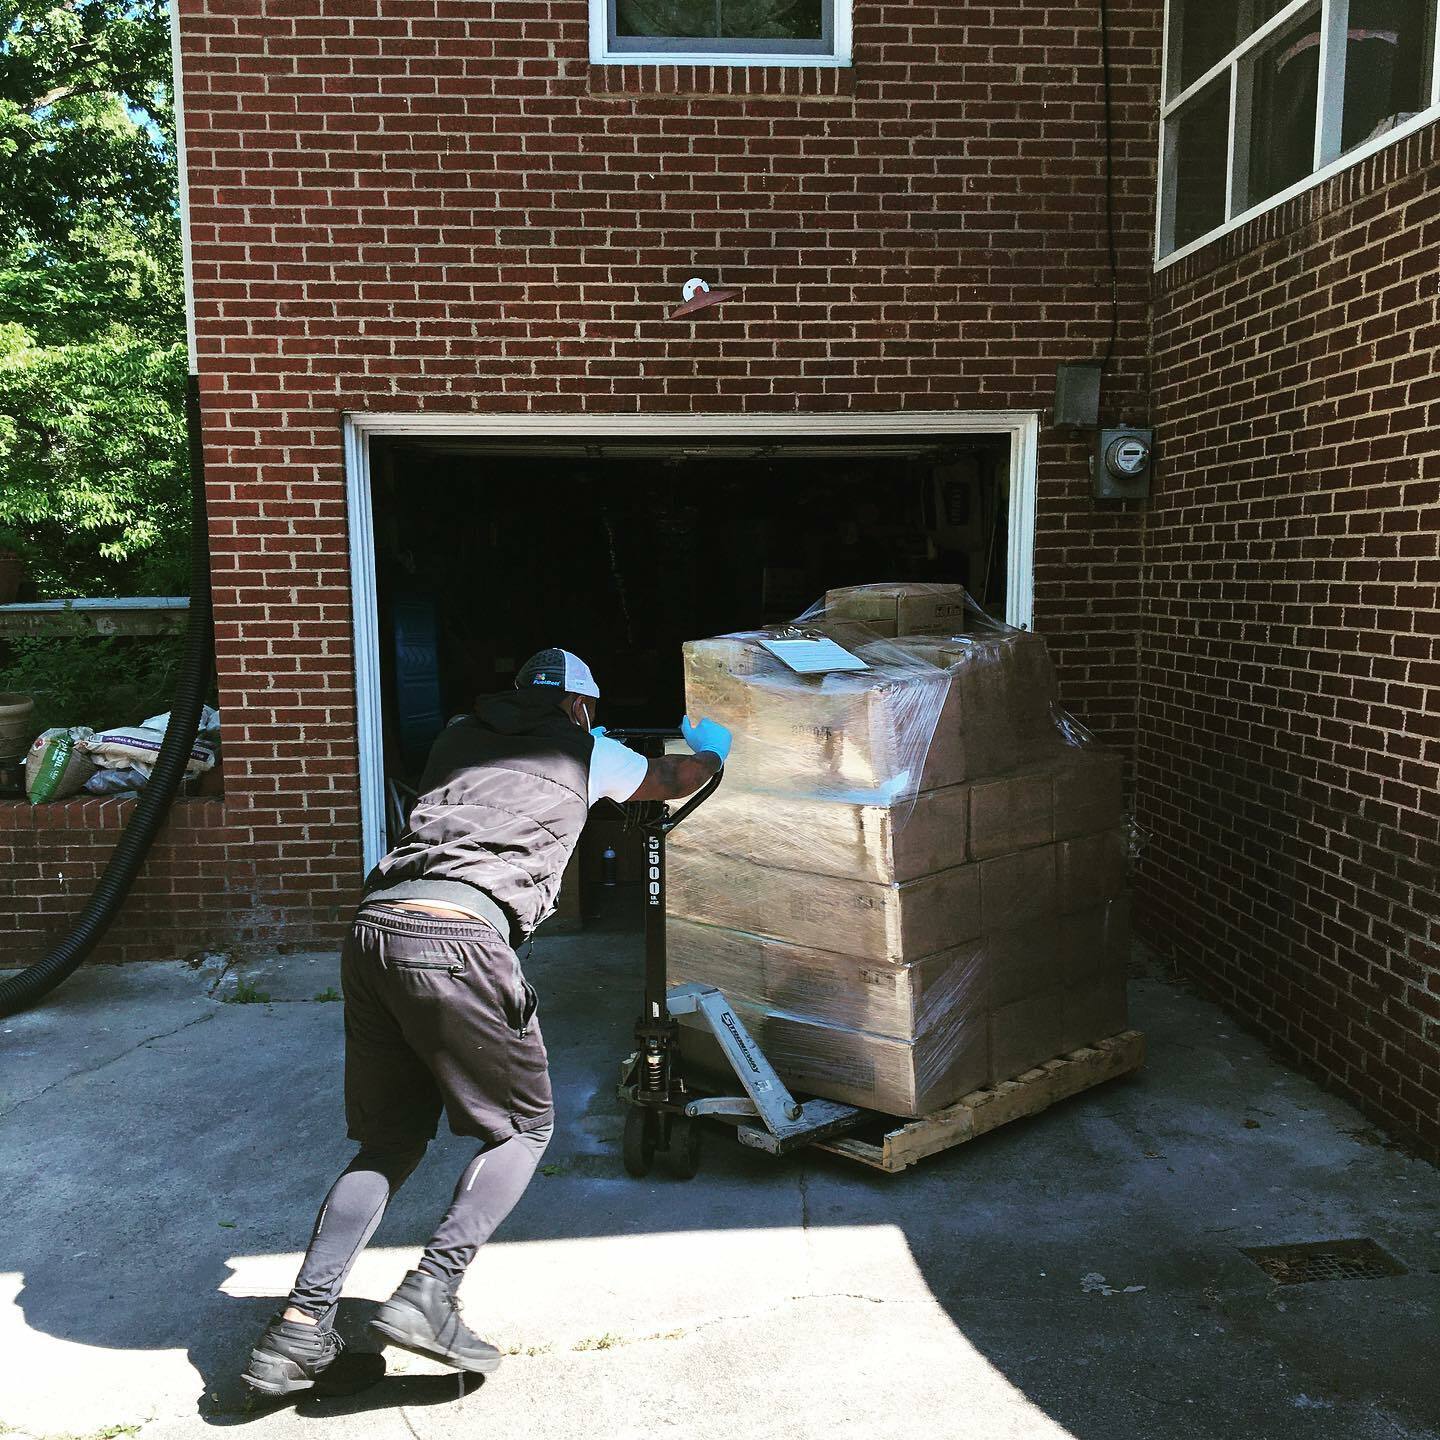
[
  {"x": 1290, "y": 685},
  {"x": 188, "y": 897},
  {"x": 439, "y": 205}
]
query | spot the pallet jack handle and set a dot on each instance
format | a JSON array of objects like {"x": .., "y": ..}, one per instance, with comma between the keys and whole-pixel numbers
[{"x": 694, "y": 802}]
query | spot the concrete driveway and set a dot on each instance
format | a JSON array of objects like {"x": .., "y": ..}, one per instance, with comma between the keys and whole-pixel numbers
[{"x": 162, "y": 1153}]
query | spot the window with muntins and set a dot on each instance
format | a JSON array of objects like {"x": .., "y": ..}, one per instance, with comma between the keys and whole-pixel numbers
[
  {"x": 720, "y": 32},
  {"x": 1265, "y": 97}
]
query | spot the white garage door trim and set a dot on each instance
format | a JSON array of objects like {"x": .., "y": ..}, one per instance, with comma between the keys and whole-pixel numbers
[{"x": 1020, "y": 426}]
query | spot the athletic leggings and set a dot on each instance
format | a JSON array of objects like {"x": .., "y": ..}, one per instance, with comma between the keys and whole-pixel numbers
[{"x": 484, "y": 1195}]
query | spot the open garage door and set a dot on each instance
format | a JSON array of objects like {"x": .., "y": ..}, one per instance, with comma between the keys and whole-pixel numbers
[{"x": 474, "y": 550}]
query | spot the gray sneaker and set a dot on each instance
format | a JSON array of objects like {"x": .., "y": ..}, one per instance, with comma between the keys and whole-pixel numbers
[{"x": 423, "y": 1315}]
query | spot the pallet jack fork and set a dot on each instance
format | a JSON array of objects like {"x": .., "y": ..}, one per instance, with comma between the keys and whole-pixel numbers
[{"x": 663, "y": 1107}]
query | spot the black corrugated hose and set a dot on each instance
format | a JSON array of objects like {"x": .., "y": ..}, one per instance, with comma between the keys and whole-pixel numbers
[{"x": 21, "y": 991}]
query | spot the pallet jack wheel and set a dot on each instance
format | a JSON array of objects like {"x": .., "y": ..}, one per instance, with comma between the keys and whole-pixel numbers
[
  {"x": 638, "y": 1147},
  {"x": 682, "y": 1155}
]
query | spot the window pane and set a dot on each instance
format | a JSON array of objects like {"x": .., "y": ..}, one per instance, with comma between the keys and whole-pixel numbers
[
  {"x": 667, "y": 18},
  {"x": 1207, "y": 31},
  {"x": 1387, "y": 78},
  {"x": 1282, "y": 112},
  {"x": 730, "y": 19},
  {"x": 1201, "y": 141},
  {"x": 1262, "y": 11},
  {"x": 773, "y": 19}
]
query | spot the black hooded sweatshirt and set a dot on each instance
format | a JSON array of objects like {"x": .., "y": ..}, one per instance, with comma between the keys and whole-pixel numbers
[{"x": 503, "y": 799}]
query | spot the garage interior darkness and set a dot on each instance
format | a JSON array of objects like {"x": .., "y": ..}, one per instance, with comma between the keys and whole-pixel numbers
[{"x": 488, "y": 550}]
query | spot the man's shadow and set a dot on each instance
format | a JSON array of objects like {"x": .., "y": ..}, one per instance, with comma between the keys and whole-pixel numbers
[{"x": 74, "y": 1298}]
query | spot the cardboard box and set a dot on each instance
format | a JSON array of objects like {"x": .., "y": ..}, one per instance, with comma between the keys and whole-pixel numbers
[
  {"x": 874, "y": 1072},
  {"x": 1095, "y": 941},
  {"x": 902, "y": 1001},
  {"x": 1026, "y": 1033},
  {"x": 1034, "y": 696},
  {"x": 1012, "y": 812},
  {"x": 947, "y": 762},
  {"x": 1076, "y": 794},
  {"x": 1095, "y": 1010},
  {"x": 911, "y": 608},
  {"x": 1090, "y": 868},
  {"x": 1022, "y": 961},
  {"x": 1017, "y": 890},
  {"x": 1004, "y": 689},
  {"x": 840, "y": 733},
  {"x": 854, "y": 917},
  {"x": 1089, "y": 792},
  {"x": 832, "y": 837}
]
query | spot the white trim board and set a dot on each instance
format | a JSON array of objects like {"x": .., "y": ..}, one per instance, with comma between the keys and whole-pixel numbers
[
  {"x": 1020, "y": 427},
  {"x": 182, "y": 193},
  {"x": 838, "y": 55}
]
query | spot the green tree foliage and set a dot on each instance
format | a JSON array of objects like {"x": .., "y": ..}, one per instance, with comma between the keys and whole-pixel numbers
[{"x": 92, "y": 353}]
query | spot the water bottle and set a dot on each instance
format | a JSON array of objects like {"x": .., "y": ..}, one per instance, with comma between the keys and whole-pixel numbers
[{"x": 608, "y": 863}]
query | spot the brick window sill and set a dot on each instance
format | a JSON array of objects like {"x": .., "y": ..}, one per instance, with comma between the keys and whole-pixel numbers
[{"x": 743, "y": 82}]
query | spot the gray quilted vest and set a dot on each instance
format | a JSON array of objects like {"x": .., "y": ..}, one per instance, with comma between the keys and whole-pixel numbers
[{"x": 503, "y": 799}]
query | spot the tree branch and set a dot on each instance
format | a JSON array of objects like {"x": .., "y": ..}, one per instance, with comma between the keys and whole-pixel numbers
[{"x": 63, "y": 92}]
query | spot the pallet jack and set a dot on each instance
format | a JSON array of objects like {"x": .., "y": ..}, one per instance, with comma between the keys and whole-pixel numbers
[{"x": 664, "y": 1104}]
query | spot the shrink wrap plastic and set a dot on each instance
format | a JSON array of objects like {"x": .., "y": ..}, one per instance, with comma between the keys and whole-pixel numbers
[{"x": 910, "y": 883}]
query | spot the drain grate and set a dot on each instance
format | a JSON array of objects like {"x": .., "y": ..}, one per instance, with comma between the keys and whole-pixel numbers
[{"x": 1324, "y": 1260}]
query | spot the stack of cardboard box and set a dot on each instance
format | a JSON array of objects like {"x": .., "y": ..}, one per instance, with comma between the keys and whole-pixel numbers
[{"x": 909, "y": 885}]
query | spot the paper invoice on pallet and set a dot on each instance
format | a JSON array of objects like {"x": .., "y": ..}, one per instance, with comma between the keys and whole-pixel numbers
[{"x": 818, "y": 656}]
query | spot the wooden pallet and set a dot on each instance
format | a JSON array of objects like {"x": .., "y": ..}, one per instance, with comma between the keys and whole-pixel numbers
[{"x": 985, "y": 1110}]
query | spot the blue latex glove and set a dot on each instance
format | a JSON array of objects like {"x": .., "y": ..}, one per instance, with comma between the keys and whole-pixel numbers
[
  {"x": 597, "y": 730},
  {"x": 707, "y": 735}
]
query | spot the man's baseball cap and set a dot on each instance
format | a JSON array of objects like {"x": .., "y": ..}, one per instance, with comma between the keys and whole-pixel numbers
[{"x": 560, "y": 671}]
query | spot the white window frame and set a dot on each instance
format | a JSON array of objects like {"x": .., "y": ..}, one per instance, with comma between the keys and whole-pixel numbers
[
  {"x": 1334, "y": 26},
  {"x": 604, "y": 50}
]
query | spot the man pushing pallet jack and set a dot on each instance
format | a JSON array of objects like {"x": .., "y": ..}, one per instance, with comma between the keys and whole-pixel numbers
[{"x": 440, "y": 1017}]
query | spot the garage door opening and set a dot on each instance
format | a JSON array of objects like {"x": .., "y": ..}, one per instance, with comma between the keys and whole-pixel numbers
[
  {"x": 622, "y": 552},
  {"x": 470, "y": 552}
]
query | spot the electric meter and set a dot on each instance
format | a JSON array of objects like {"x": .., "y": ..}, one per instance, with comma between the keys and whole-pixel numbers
[{"x": 1121, "y": 464}]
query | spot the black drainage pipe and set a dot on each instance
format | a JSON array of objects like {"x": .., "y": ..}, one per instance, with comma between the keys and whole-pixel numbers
[{"x": 32, "y": 984}]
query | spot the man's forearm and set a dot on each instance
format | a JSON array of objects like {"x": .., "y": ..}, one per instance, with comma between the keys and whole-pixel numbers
[{"x": 671, "y": 776}]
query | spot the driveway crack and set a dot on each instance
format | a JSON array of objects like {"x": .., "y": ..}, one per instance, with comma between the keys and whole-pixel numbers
[{"x": 103, "y": 1064}]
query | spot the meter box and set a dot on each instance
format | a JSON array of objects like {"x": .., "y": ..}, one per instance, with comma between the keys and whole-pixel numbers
[{"x": 1120, "y": 467}]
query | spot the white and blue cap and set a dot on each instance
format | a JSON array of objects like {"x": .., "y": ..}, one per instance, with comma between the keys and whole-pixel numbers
[{"x": 560, "y": 671}]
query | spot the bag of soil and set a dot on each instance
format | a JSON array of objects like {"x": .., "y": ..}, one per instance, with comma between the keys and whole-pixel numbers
[{"x": 57, "y": 765}]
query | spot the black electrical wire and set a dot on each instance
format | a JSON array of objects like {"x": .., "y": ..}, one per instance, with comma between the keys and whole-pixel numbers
[
  {"x": 1109, "y": 187},
  {"x": 32, "y": 984}
]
